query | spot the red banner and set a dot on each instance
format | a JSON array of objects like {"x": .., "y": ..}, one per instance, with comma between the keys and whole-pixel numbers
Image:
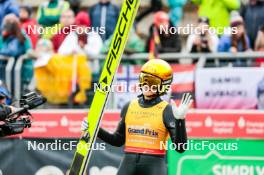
[
  {"x": 200, "y": 124},
  {"x": 224, "y": 124},
  {"x": 64, "y": 123}
]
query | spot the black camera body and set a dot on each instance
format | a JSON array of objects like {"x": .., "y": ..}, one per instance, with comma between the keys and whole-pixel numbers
[
  {"x": 21, "y": 118},
  {"x": 31, "y": 100}
]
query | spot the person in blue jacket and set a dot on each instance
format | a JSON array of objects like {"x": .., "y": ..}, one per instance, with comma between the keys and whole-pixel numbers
[
  {"x": 237, "y": 41},
  {"x": 104, "y": 14},
  {"x": 7, "y": 7},
  {"x": 13, "y": 41}
]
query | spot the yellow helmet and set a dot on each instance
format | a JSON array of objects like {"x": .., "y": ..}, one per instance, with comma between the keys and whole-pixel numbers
[{"x": 156, "y": 72}]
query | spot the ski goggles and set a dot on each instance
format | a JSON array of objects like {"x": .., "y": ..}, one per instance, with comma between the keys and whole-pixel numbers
[{"x": 148, "y": 79}]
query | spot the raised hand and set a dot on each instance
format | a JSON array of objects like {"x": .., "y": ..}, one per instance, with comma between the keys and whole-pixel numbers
[{"x": 181, "y": 111}]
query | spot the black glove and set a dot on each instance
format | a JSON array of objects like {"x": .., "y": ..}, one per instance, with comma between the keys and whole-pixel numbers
[{"x": 4, "y": 112}]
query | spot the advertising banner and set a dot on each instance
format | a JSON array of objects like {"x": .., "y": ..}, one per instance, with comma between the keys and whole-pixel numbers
[
  {"x": 64, "y": 123},
  {"x": 245, "y": 158},
  {"x": 220, "y": 143},
  {"x": 229, "y": 88},
  {"x": 200, "y": 124},
  {"x": 43, "y": 157}
]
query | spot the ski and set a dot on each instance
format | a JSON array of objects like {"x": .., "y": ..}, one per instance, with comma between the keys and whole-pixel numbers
[{"x": 120, "y": 36}]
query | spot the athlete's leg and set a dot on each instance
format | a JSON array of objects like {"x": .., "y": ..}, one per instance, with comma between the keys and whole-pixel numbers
[
  {"x": 151, "y": 165},
  {"x": 128, "y": 165}
]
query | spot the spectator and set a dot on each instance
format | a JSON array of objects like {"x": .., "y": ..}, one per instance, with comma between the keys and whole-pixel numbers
[
  {"x": 59, "y": 70},
  {"x": 91, "y": 42},
  {"x": 176, "y": 13},
  {"x": 82, "y": 19},
  {"x": 253, "y": 15},
  {"x": 42, "y": 53},
  {"x": 104, "y": 15},
  {"x": 49, "y": 12},
  {"x": 155, "y": 6},
  {"x": 259, "y": 45},
  {"x": 13, "y": 41},
  {"x": 8, "y": 7},
  {"x": 66, "y": 20},
  {"x": 217, "y": 11},
  {"x": 83, "y": 40},
  {"x": 204, "y": 41},
  {"x": 28, "y": 24},
  {"x": 238, "y": 41},
  {"x": 162, "y": 41},
  {"x": 260, "y": 95}
]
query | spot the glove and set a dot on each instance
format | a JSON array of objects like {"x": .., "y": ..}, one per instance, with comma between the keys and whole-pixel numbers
[
  {"x": 181, "y": 111},
  {"x": 84, "y": 125}
]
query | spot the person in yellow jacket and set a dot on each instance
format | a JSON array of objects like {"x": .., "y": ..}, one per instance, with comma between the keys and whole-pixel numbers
[
  {"x": 147, "y": 122},
  {"x": 57, "y": 76},
  {"x": 49, "y": 15},
  {"x": 218, "y": 12}
]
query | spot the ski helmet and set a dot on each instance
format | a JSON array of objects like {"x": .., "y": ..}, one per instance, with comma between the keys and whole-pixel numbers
[{"x": 156, "y": 72}]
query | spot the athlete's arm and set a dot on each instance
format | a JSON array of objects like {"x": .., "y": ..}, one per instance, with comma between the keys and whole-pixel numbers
[
  {"x": 176, "y": 128},
  {"x": 119, "y": 136}
]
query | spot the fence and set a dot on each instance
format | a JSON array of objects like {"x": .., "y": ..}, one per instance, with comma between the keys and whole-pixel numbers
[
  {"x": 18, "y": 76},
  {"x": 6, "y": 70},
  {"x": 183, "y": 58},
  {"x": 202, "y": 57}
]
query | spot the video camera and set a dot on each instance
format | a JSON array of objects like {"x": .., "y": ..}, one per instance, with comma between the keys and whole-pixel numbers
[{"x": 21, "y": 118}]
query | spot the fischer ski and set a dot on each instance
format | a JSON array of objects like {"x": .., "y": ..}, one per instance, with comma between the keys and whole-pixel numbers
[{"x": 85, "y": 145}]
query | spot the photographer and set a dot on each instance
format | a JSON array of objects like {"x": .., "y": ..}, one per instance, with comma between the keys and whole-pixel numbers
[
  {"x": 5, "y": 129},
  {"x": 202, "y": 41},
  {"x": 4, "y": 99},
  {"x": 14, "y": 120},
  {"x": 5, "y": 110}
]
